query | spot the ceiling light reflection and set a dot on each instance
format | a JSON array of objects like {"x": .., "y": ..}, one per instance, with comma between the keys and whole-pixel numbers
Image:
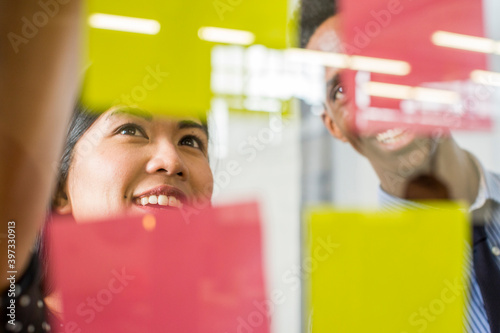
[
  {"x": 465, "y": 42},
  {"x": 485, "y": 77},
  {"x": 340, "y": 60},
  {"x": 397, "y": 91},
  {"x": 124, "y": 23},
  {"x": 228, "y": 36},
  {"x": 379, "y": 65}
]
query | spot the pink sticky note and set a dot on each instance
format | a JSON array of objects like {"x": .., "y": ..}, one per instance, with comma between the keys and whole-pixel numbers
[
  {"x": 162, "y": 273},
  {"x": 432, "y": 81}
]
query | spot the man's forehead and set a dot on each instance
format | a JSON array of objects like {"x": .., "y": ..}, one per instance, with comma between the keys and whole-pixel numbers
[
  {"x": 331, "y": 73},
  {"x": 326, "y": 38}
]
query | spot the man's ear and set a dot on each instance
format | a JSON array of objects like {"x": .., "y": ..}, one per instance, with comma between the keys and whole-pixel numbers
[
  {"x": 61, "y": 203},
  {"x": 332, "y": 127}
]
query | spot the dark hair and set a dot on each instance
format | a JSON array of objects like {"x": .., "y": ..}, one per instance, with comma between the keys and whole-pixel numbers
[
  {"x": 81, "y": 120},
  {"x": 314, "y": 13}
]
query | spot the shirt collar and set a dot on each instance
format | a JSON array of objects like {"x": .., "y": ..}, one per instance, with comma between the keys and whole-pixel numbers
[
  {"x": 489, "y": 189},
  {"x": 489, "y": 186},
  {"x": 390, "y": 202}
]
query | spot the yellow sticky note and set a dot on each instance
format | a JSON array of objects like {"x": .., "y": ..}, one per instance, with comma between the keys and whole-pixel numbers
[
  {"x": 387, "y": 272},
  {"x": 145, "y": 54},
  {"x": 153, "y": 55}
]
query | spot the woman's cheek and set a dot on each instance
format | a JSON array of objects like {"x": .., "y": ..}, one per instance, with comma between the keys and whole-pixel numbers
[
  {"x": 101, "y": 183},
  {"x": 203, "y": 180},
  {"x": 208, "y": 186},
  {"x": 119, "y": 170}
]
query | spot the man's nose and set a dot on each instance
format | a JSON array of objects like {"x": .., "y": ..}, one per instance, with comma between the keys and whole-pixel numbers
[{"x": 165, "y": 158}]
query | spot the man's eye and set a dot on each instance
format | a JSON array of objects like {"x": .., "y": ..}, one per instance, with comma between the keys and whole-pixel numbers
[
  {"x": 338, "y": 93},
  {"x": 191, "y": 141},
  {"x": 131, "y": 130}
]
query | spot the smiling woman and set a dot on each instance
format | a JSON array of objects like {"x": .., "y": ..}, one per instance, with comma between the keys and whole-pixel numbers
[{"x": 128, "y": 161}]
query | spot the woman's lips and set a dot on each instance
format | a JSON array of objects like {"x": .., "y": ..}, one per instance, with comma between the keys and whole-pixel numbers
[{"x": 161, "y": 197}]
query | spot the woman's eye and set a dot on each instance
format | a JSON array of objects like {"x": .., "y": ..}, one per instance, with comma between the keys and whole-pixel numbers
[
  {"x": 131, "y": 130},
  {"x": 191, "y": 141}
]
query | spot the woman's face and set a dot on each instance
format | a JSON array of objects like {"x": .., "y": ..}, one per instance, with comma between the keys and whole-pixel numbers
[{"x": 129, "y": 161}]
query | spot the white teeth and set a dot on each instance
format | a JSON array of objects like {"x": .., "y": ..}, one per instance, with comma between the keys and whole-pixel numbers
[
  {"x": 391, "y": 136},
  {"x": 163, "y": 200},
  {"x": 172, "y": 201}
]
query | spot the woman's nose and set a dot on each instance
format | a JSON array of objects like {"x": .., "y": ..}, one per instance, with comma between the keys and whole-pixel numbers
[{"x": 166, "y": 158}]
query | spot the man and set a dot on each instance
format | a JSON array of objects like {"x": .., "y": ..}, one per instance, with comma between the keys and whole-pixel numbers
[{"x": 416, "y": 167}]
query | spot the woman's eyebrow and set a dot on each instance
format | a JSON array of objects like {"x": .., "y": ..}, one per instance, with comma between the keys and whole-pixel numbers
[
  {"x": 191, "y": 124},
  {"x": 133, "y": 112}
]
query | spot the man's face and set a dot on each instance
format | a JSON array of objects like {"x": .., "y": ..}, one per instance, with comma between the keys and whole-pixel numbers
[{"x": 392, "y": 150}]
